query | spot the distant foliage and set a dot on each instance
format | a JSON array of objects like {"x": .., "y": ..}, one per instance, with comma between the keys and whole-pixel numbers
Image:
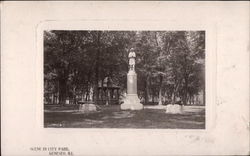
[{"x": 170, "y": 64}]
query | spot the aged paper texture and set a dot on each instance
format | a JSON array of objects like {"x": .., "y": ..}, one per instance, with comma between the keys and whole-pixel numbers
[{"x": 227, "y": 77}]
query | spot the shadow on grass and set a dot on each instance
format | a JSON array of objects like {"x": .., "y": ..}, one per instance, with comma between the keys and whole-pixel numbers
[{"x": 113, "y": 117}]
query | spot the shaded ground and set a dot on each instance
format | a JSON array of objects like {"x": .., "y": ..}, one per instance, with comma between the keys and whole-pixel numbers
[{"x": 112, "y": 117}]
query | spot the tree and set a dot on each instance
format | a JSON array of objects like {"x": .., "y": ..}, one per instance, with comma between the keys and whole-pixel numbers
[{"x": 170, "y": 64}]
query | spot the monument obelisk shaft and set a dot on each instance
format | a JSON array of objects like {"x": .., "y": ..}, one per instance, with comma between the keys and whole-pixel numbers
[{"x": 131, "y": 100}]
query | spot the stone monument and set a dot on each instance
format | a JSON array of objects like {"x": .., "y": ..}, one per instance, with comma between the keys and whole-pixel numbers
[
  {"x": 174, "y": 109},
  {"x": 131, "y": 101}
]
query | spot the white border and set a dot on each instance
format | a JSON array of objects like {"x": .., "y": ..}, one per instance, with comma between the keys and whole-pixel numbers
[{"x": 228, "y": 23}]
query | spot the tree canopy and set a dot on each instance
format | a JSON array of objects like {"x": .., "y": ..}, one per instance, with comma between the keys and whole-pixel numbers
[{"x": 169, "y": 64}]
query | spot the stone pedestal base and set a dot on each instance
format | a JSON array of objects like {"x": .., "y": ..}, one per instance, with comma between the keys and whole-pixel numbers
[
  {"x": 87, "y": 108},
  {"x": 131, "y": 102},
  {"x": 174, "y": 109}
]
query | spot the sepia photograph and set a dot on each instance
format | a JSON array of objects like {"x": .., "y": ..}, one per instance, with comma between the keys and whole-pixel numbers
[
  {"x": 124, "y": 79},
  {"x": 107, "y": 78}
]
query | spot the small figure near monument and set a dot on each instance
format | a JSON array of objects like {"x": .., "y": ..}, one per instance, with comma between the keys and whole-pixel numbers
[{"x": 131, "y": 101}]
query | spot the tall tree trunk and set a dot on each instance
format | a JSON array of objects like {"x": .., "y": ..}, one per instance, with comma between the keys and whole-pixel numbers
[
  {"x": 151, "y": 90},
  {"x": 146, "y": 92},
  {"x": 87, "y": 93},
  {"x": 160, "y": 91},
  {"x": 176, "y": 87},
  {"x": 185, "y": 91},
  {"x": 204, "y": 87},
  {"x": 62, "y": 90},
  {"x": 173, "y": 97},
  {"x": 74, "y": 95},
  {"x": 204, "y": 94},
  {"x": 88, "y": 86},
  {"x": 97, "y": 67}
]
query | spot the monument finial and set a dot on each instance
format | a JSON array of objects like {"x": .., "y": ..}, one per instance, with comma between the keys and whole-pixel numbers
[
  {"x": 131, "y": 57},
  {"x": 131, "y": 53}
]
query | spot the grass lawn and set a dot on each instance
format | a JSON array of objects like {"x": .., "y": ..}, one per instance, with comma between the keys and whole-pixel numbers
[{"x": 112, "y": 117}]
